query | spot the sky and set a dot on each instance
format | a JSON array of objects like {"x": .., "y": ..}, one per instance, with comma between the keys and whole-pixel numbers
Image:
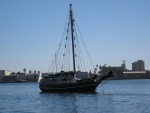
[{"x": 114, "y": 30}]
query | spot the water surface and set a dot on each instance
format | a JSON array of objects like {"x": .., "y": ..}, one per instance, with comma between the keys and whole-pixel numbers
[{"x": 117, "y": 96}]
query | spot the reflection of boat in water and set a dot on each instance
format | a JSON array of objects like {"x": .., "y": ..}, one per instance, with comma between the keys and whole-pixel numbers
[{"x": 70, "y": 80}]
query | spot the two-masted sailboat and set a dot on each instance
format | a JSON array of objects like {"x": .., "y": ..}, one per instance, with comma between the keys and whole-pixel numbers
[{"x": 76, "y": 81}]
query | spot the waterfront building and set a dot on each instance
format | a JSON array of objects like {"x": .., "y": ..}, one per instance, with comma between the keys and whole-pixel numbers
[
  {"x": 3, "y": 73},
  {"x": 123, "y": 65},
  {"x": 118, "y": 70},
  {"x": 138, "y": 66},
  {"x": 28, "y": 77},
  {"x": 6, "y": 76}
]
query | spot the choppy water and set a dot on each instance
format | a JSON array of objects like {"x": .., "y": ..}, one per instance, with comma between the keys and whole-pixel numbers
[{"x": 117, "y": 96}]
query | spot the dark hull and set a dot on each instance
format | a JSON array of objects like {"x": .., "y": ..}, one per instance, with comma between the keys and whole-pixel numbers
[{"x": 88, "y": 86}]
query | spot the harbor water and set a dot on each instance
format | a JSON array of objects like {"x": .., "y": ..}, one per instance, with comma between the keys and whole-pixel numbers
[{"x": 115, "y": 96}]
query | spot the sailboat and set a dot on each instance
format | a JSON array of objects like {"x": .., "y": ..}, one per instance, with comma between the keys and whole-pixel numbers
[{"x": 76, "y": 81}]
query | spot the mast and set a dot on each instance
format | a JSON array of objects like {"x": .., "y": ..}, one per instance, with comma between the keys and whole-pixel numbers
[{"x": 71, "y": 21}]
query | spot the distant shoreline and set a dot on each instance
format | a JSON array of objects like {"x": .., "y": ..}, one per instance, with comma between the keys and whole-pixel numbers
[
  {"x": 19, "y": 82},
  {"x": 107, "y": 79}
]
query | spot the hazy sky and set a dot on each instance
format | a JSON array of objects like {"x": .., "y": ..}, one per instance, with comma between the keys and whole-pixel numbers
[{"x": 30, "y": 31}]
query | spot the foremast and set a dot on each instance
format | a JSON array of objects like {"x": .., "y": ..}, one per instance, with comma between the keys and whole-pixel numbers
[{"x": 72, "y": 36}]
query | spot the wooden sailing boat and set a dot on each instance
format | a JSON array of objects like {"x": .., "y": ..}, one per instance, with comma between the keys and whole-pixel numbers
[{"x": 71, "y": 80}]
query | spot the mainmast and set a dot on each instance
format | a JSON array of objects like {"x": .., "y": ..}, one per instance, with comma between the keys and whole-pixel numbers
[{"x": 71, "y": 21}]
